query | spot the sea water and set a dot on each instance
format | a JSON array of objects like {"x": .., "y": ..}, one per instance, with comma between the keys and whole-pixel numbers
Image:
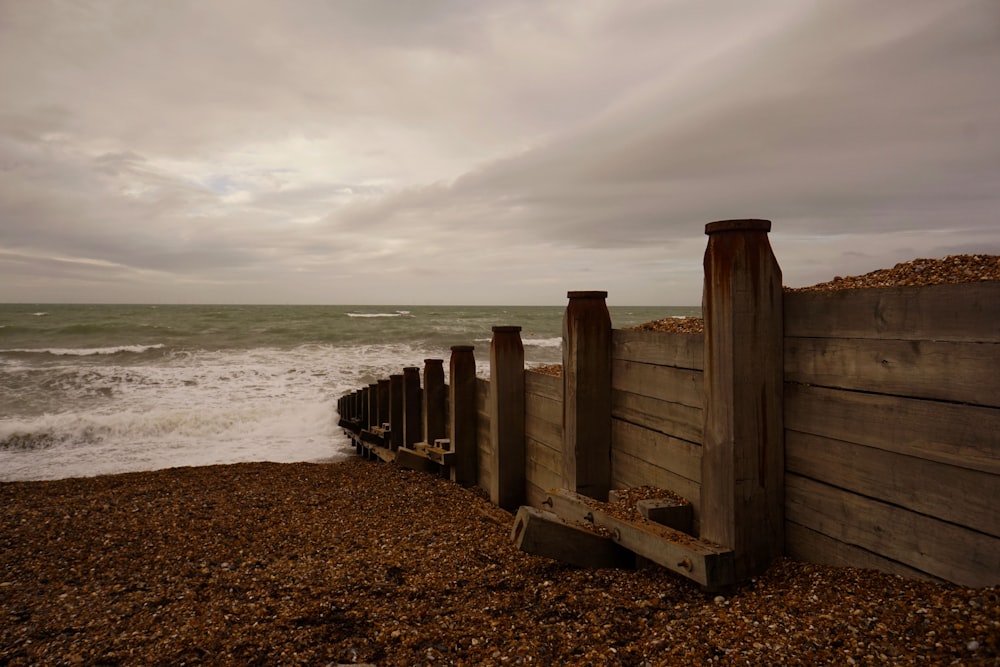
[{"x": 97, "y": 389}]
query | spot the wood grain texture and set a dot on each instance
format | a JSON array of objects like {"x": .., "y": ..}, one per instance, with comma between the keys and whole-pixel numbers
[
  {"x": 659, "y": 348},
  {"x": 941, "y": 549},
  {"x": 967, "y": 312},
  {"x": 678, "y": 456},
  {"x": 959, "y": 495},
  {"x": 805, "y": 544},
  {"x": 544, "y": 385},
  {"x": 959, "y": 435},
  {"x": 675, "y": 419},
  {"x": 959, "y": 372},
  {"x": 675, "y": 385}
]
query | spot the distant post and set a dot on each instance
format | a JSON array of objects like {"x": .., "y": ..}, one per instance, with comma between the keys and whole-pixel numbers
[
  {"x": 372, "y": 405},
  {"x": 586, "y": 453},
  {"x": 462, "y": 415},
  {"x": 383, "y": 404},
  {"x": 435, "y": 400},
  {"x": 742, "y": 490},
  {"x": 395, "y": 411},
  {"x": 507, "y": 484},
  {"x": 412, "y": 430}
]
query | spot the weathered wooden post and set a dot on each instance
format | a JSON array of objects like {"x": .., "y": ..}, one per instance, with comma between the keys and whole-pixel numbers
[
  {"x": 742, "y": 489},
  {"x": 383, "y": 403},
  {"x": 412, "y": 430},
  {"x": 364, "y": 397},
  {"x": 586, "y": 453},
  {"x": 395, "y": 411},
  {"x": 372, "y": 405},
  {"x": 435, "y": 401},
  {"x": 507, "y": 484},
  {"x": 462, "y": 415}
]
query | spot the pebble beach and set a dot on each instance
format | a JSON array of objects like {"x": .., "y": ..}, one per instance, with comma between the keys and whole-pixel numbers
[{"x": 360, "y": 562}]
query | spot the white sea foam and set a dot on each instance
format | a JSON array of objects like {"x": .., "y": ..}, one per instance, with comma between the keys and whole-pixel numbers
[
  {"x": 192, "y": 408},
  {"x": 396, "y": 314},
  {"x": 543, "y": 342},
  {"x": 85, "y": 351}
]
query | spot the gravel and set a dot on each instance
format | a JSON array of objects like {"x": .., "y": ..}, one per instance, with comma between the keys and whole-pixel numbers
[{"x": 361, "y": 562}]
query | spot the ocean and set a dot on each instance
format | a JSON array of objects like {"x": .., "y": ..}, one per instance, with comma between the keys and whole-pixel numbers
[{"x": 98, "y": 389}]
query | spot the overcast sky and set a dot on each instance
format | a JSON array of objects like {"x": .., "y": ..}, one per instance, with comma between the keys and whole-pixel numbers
[{"x": 461, "y": 152}]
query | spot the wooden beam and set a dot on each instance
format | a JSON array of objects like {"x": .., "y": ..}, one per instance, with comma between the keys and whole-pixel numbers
[
  {"x": 413, "y": 459},
  {"x": 708, "y": 564},
  {"x": 462, "y": 414},
  {"x": 742, "y": 480},
  {"x": 545, "y": 534},
  {"x": 506, "y": 424},
  {"x": 586, "y": 423}
]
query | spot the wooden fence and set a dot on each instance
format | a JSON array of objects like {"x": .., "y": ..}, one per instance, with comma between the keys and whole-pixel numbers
[{"x": 856, "y": 427}]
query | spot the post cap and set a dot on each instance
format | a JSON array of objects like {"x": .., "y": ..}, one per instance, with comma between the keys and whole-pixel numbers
[
  {"x": 433, "y": 361},
  {"x": 463, "y": 348},
  {"x": 748, "y": 225},
  {"x": 593, "y": 294},
  {"x": 507, "y": 329},
  {"x": 411, "y": 369}
]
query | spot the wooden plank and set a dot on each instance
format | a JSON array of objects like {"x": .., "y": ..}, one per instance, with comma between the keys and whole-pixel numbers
[
  {"x": 708, "y": 564},
  {"x": 941, "y": 549},
  {"x": 802, "y": 543},
  {"x": 544, "y": 409},
  {"x": 440, "y": 455},
  {"x": 544, "y": 385},
  {"x": 680, "y": 421},
  {"x": 482, "y": 396},
  {"x": 676, "y": 385},
  {"x": 961, "y": 372},
  {"x": 678, "y": 456},
  {"x": 412, "y": 459},
  {"x": 629, "y": 471},
  {"x": 959, "y": 495},
  {"x": 660, "y": 348},
  {"x": 966, "y": 312},
  {"x": 543, "y": 465},
  {"x": 546, "y": 534},
  {"x": 958, "y": 435},
  {"x": 383, "y": 453},
  {"x": 547, "y": 432}
]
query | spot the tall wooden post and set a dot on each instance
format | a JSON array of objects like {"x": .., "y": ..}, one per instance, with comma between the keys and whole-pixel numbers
[
  {"x": 435, "y": 400},
  {"x": 586, "y": 454},
  {"x": 395, "y": 411},
  {"x": 742, "y": 489},
  {"x": 383, "y": 402},
  {"x": 507, "y": 485},
  {"x": 462, "y": 416},
  {"x": 372, "y": 405},
  {"x": 412, "y": 430},
  {"x": 365, "y": 393}
]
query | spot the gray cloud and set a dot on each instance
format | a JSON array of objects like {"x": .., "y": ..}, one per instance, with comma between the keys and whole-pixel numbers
[{"x": 457, "y": 152}]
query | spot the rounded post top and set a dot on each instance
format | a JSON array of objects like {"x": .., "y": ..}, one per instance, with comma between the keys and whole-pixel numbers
[
  {"x": 510, "y": 328},
  {"x": 463, "y": 348},
  {"x": 591, "y": 294},
  {"x": 433, "y": 362},
  {"x": 748, "y": 225},
  {"x": 411, "y": 369}
]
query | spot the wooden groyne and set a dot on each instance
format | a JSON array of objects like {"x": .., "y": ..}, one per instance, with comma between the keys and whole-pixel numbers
[{"x": 855, "y": 427}]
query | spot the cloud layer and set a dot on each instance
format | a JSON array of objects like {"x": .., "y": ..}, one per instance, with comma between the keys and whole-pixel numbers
[{"x": 456, "y": 152}]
